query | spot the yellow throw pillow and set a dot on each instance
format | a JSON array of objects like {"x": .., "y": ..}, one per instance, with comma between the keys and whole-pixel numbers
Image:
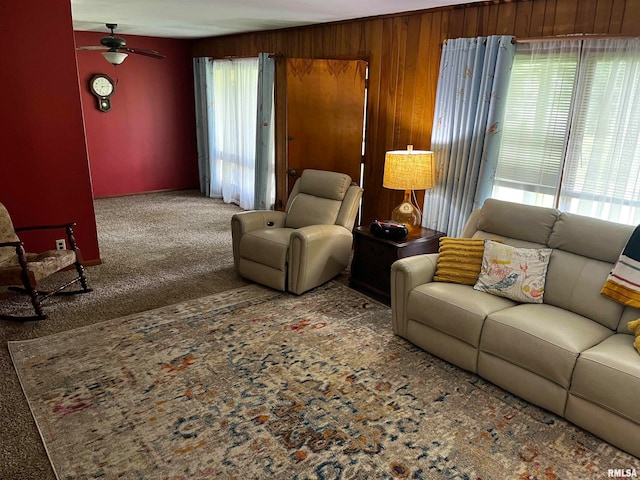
[
  {"x": 460, "y": 260},
  {"x": 634, "y": 327}
]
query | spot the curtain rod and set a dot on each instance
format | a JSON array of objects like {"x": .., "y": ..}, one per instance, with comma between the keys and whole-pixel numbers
[
  {"x": 572, "y": 36},
  {"x": 575, "y": 36}
]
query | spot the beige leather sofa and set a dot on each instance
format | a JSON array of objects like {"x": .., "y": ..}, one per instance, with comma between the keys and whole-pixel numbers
[{"x": 572, "y": 354}]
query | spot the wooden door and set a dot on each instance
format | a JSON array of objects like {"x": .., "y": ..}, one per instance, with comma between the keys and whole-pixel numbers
[{"x": 325, "y": 116}]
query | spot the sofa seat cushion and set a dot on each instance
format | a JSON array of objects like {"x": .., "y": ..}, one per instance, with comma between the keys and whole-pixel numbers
[
  {"x": 268, "y": 246},
  {"x": 541, "y": 338},
  {"x": 455, "y": 309},
  {"x": 608, "y": 375}
]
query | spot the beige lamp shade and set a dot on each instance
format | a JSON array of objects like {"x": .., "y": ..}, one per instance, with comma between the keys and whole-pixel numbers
[{"x": 408, "y": 169}]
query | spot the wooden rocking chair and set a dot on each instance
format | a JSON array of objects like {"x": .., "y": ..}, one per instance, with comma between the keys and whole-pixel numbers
[{"x": 18, "y": 267}]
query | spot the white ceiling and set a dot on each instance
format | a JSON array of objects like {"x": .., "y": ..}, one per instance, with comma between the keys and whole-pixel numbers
[{"x": 208, "y": 18}]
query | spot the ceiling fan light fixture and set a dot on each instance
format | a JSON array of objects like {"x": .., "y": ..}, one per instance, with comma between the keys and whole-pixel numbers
[{"x": 115, "y": 58}]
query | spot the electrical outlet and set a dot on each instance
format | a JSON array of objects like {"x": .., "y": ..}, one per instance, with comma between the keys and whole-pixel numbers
[{"x": 61, "y": 244}]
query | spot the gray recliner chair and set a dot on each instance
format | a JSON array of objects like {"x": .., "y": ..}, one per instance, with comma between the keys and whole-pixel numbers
[{"x": 307, "y": 244}]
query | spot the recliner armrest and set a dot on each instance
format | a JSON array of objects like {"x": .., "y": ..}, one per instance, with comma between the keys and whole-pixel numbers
[
  {"x": 316, "y": 254},
  {"x": 244, "y": 222},
  {"x": 255, "y": 219},
  {"x": 406, "y": 274},
  {"x": 314, "y": 233}
]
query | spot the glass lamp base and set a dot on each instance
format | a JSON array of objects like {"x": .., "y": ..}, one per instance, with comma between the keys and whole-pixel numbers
[{"x": 407, "y": 213}]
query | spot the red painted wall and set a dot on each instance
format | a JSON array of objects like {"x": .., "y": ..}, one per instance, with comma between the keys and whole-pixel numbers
[
  {"x": 44, "y": 169},
  {"x": 147, "y": 141}
]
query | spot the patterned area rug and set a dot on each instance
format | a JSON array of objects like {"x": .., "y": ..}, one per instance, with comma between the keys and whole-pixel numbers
[{"x": 252, "y": 384}]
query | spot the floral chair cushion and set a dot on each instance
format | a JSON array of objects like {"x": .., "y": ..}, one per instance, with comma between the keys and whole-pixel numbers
[{"x": 7, "y": 234}]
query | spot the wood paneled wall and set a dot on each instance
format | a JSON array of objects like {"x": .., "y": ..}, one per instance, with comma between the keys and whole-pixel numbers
[{"x": 403, "y": 52}]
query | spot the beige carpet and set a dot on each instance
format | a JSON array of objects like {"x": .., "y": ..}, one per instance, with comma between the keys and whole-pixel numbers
[
  {"x": 157, "y": 249},
  {"x": 254, "y": 384}
]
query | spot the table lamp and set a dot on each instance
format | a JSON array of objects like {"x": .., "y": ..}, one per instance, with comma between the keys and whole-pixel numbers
[{"x": 408, "y": 170}]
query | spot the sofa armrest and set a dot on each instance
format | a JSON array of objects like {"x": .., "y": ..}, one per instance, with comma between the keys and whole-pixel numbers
[
  {"x": 406, "y": 274},
  {"x": 471, "y": 226}
]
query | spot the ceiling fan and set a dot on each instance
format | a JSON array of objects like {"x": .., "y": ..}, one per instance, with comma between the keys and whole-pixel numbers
[{"x": 117, "y": 49}]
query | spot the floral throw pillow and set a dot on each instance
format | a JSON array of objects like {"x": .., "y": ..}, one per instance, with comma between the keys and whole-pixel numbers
[{"x": 515, "y": 273}]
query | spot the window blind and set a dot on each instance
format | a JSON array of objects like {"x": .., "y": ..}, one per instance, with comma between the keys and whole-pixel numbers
[
  {"x": 536, "y": 126},
  {"x": 571, "y": 131}
]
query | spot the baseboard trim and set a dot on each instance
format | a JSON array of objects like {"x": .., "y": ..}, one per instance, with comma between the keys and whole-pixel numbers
[{"x": 146, "y": 192}]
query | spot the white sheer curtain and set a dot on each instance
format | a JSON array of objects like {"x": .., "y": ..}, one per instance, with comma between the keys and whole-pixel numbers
[
  {"x": 602, "y": 172},
  {"x": 235, "y": 103},
  {"x": 572, "y": 129},
  {"x": 235, "y": 129}
]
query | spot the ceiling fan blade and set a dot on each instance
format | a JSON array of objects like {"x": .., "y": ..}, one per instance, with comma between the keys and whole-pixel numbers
[
  {"x": 92, "y": 47},
  {"x": 139, "y": 51},
  {"x": 117, "y": 44}
]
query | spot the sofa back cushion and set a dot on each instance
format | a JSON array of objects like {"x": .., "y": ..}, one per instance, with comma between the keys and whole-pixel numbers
[
  {"x": 517, "y": 221},
  {"x": 590, "y": 237},
  {"x": 585, "y": 250},
  {"x": 515, "y": 242},
  {"x": 574, "y": 283},
  {"x": 522, "y": 226}
]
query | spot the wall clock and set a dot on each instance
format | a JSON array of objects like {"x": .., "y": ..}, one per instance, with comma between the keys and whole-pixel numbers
[{"x": 102, "y": 87}]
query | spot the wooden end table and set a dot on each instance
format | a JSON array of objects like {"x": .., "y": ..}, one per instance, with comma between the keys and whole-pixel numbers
[{"x": 373, "y": 256}]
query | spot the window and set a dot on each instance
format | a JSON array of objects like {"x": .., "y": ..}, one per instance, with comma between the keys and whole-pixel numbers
[
  {"x": 235, "y": 87},
  {"x": 571, "y": 134},
  {"x": 234, "y": 129}
]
